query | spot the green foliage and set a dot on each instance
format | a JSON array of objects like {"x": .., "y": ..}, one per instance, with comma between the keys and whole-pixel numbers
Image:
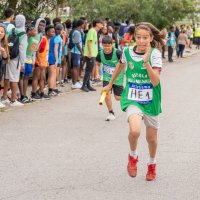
[
  {"x": 31, "y": 8},
  {"x": 159, "y": 12}
]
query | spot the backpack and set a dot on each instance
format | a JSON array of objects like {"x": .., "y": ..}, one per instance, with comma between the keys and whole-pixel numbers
[
  {"x": 13, "y": 43},
  {"x": 71, "y": 44}
]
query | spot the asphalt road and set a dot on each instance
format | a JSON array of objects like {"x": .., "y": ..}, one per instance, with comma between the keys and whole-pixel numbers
[{"x": 64, "y": 150}]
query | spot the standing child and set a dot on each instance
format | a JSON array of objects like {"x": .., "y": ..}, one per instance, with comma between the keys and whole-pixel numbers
[
  {"x": 171, "y": 44},
  {"x": 55, "y": 58},
  {"x": 28, "y": 67},
  {"x": 4, "y": 55},
  {"x": 109, "y": 57},
  {"x": 141, "y": 98}
]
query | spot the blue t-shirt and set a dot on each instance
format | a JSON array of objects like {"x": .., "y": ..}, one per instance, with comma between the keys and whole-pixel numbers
[
  {"x": 76, "y": 39},
  {"x": 55, "y": 40},
  {"x": 172, "y": 40}
]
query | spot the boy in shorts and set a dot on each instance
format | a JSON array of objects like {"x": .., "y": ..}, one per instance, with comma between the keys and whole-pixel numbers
[{"x": 109, "y": 57}]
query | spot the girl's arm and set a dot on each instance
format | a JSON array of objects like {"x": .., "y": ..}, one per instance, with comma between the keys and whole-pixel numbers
[
  {"x": 154, "y": 74},
  {"x": 4, "y": 53}
]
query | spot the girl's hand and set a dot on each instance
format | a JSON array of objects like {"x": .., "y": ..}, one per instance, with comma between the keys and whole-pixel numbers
[
  {"x": 147, "y": 54},
  {"x": 2, "y": 49}
]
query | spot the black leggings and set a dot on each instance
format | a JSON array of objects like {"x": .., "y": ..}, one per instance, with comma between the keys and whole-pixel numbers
[
  {"x": 181, "y": 48},
  {"x": 89, "y": 67}
]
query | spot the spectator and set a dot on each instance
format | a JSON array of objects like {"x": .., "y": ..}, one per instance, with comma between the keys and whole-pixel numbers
[
  {"x": 16, "y": 64},
  {"x": 4, "y": 55},
  {"x": 9, "y": 14},
  {"x": 171, "y": 43},
  {"x": 182, "y": 42},
  {"x": 90, "y": 53}
]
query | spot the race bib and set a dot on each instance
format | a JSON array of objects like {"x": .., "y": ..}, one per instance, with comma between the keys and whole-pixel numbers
[
  {"x": 142, "y": 94},
  {"x": 108, "y": 69}
]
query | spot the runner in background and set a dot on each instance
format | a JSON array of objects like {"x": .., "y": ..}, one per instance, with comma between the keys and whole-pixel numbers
[{"x": 109, "y": 57}]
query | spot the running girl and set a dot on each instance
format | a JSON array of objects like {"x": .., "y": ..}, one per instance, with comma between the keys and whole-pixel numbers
[{"x": 141, "y": 98}]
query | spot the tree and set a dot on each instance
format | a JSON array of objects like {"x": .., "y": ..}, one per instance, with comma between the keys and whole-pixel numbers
[{"x": 30, "y": 8}]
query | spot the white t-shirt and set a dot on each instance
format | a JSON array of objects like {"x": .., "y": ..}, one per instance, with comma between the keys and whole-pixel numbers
[{"x": 156, "y": 58}]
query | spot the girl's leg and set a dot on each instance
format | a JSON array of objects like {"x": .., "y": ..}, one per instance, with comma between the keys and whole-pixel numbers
[
  {"x": 134, "y": 130},
  {"x": 6, "y": 87},
  {"x": 134, "y": 133},
  {"x": 182, "y": 50},
  {"x": 151, "y": 137}
]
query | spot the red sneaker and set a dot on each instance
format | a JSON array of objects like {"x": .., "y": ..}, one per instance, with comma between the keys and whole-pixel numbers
[
  {"x": 151, "y": 173},
  {"x": 132, "y": 166}
]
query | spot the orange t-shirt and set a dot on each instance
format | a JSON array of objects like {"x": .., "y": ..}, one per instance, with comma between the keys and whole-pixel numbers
[
  {"x": 126, "y": 39},
  {"x": 43, "y": 52}
]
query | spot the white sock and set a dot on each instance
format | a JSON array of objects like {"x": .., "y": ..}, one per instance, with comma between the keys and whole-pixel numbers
[
  {"x": 152, "y": 161},
  {"x": 134, "y": 154}
]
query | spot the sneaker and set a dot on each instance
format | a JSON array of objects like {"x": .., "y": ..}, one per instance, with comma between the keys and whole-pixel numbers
[
  {"x": 5, "y": 101},
  {"x": 36, "y": 97},
  {"x": 80, "y": 83},
  {"x": 45, "y": 97},
  {"x": 16, "y": 104},
  {"x": 62, "y": 83},
  {"x": 132, "y": 166},
  {"x": 151, "y": 173},
  {"x": 110, "y": 117},
  {"x": 66, "y": 80},
  {"x": 76, "y": 86},
  {"x": 53, "y": 94},
  {"x": 57, "y": 91},
  {"x": 24, "y": 99},
  {"x": 2, "y": 105},
  {"x": 85, "y": 89},
  {"x": 91, "y": 88}
]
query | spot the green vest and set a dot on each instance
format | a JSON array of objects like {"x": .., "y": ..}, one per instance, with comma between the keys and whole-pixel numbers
[
  {"x": 197, "y": 32},
  {"x": 139, "y": 90},
  {"x": 109, "y": 67}
]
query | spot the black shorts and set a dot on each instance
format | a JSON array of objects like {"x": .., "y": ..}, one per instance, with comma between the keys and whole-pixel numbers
[{"x": 117, "y": 90}]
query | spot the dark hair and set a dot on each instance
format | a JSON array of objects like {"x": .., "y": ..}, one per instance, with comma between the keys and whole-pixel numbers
[
  {"x": 68, "y": 23},
  {"x": 9, "y": 12},
  {"x": 96, "y": 21},
  {"x": 80, "y": 22},
  {"x": 56, "y": 20},
  {"x": 48, "y": 20},
  {"x": 74, "y": 24},
  {"x": 157, "y": 38},
  {"x": 107, "y": 40},
  {"x": 47, "y": 28},
  {"x": 127, "y": 21},
  {"x": 131, "y": 30},
  {"x": 171, "y": 28}
]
